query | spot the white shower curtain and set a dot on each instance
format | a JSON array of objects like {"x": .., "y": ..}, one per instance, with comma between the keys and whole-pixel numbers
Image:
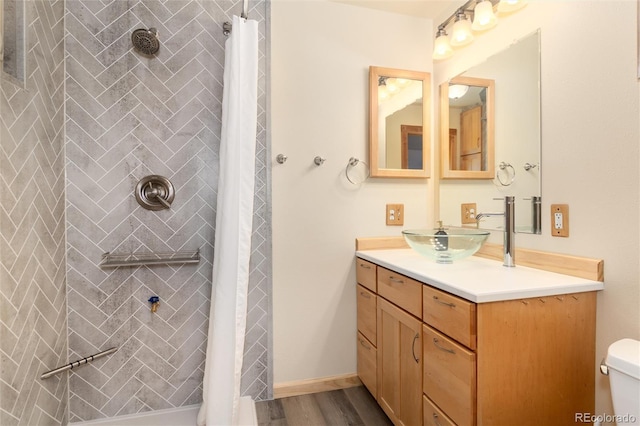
[{"x": 227, "y": 320}]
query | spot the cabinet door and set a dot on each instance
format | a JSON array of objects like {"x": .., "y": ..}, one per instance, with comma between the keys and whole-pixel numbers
[
  {"x": 399, "y": 364},
  {"x": 471, "y": 131},
  {"x": 367, "y": 364}
]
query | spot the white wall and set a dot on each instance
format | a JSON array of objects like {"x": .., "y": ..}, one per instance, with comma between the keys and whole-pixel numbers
[
  {"x": 590, "y": 139},
  {"x": 321, "y": 53}
]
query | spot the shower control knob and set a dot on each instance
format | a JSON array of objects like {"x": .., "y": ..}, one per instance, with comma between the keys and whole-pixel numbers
[{"x": 155, "y": 192}]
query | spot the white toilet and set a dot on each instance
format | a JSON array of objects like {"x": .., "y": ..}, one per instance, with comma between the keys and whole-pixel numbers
[{"x": 623, "y": 365}]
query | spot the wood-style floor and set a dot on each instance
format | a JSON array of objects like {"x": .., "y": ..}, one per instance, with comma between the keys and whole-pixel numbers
[{"x": 351, "y": 406}]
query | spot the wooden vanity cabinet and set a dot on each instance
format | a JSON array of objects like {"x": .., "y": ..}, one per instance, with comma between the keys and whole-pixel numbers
[
  {"x": 366, "y": 275},
  {"x": 516, "y": 362}
]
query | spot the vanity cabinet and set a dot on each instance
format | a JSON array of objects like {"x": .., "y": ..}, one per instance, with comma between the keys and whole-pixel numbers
[
  {"x": 366, "y": 275},
  {"x": 444, "y": 360}
]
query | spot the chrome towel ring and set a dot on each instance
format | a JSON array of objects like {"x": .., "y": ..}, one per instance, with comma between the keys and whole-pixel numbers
[
  {"x": 353, "y": 162},
  {"x": 508, "y": 177}
]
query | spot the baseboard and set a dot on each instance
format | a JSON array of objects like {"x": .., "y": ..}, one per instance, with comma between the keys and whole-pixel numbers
[{"x": 302, "y": 387}]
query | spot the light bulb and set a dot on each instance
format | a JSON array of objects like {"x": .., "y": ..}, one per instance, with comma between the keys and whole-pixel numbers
[
  {"x": 461, "y": 34},
  {"x": 483, "y": 16},
  {"x": 508, "y": 6},
  {"x": 382, "y": 93},
  {"x": 441, "y": 47}
]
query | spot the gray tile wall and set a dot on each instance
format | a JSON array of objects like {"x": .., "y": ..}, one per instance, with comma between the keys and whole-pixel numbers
[
  {"x": 128, "y": 116},
  {"x": 33, "y": 327}
]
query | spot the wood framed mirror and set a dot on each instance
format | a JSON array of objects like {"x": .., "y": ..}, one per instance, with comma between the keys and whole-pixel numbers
[
  {"x": 399, "y": 123},
  {"x": 467, "y": 128}
]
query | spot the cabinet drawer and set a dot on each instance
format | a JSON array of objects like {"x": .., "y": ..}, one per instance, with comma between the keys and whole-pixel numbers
[
  {"x": 366, "y": 274},
  {"x": 367, "y": 368},
  {"x": 433, "y": 416},
  {"x": 450, "y": 314},
  {"x": 367, "y": 313},
  {"x": 449, "y": 376},
  {"x": 400, "y": 290}
]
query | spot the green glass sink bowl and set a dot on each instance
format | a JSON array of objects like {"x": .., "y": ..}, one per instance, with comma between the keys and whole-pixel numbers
[{"x": 457, "y": 244}]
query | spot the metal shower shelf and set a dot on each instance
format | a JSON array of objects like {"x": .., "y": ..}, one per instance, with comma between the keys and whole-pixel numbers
[{"x": 110, "y": 260}]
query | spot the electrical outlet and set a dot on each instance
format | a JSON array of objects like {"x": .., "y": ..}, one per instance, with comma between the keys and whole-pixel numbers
[
  {"x": 560, "y": 220},
  {"x": 395, "y": 214},
  {"x": 468, "y": 213}
]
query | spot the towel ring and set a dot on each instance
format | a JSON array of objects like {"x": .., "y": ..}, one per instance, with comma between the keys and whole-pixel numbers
[
  {"x": 353, "y": 162},
  {"x": 510, "y": 177}
]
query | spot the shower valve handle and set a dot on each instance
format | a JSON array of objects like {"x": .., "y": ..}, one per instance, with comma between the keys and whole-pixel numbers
[{"x": 155, "y": 194}]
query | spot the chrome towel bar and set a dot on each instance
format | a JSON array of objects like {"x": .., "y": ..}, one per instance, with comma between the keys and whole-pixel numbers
[
  {"x": 78, "y": 363},
  {"x": 111, "y": 260}
]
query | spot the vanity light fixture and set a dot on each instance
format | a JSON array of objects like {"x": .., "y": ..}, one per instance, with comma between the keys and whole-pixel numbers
[
  {"x": 461, "y": 33},
  {"x": 441, "y": 47},
  {"x": 483, "y": 16}
]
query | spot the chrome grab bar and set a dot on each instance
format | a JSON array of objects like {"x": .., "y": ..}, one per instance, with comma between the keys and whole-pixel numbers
[{"x": 77, "y": 363}]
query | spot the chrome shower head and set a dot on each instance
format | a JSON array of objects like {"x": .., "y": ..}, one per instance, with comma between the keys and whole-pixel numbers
[{"x": 146, "y": 41}]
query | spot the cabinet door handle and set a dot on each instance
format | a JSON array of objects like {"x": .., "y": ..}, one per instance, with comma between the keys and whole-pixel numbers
[
  {"x": 413, "y": 348},
  {"x": 365, "y": 295},
  {"x": 367, "y": 347},
  {"x": 396, "y": 280},
  {"x": 437, "y": 345},
  {"x": 435, "y": 419},
  {"x": 449, "y": 304},
  {"x": 362, "y": 265}
]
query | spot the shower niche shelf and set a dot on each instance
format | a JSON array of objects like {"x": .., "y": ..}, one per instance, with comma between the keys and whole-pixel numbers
[{"x": 112, "y": 260}]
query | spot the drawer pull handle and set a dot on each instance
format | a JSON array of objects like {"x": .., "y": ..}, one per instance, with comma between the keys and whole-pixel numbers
[
  {"x": 435, "y": 419},
  {"x": 362, "y": 265},
  {"x": 437, "y": 345},
  {"x": 413, "y": 347},
  {"x": 449, "y": 304},
  {"x": 396, "y": 280},
  {"x": 365, "y": 295},
  {"x": 367, "y": 347}
]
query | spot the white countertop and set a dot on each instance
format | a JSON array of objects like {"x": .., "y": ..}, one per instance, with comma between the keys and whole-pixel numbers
[{"x": 477, "y": 279}]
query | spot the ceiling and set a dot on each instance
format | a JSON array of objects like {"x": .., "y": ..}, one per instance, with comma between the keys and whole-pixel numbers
[{"x": 430, "y": 9}]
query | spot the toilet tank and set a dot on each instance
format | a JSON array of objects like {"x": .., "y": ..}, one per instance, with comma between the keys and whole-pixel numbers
[{"x": 623, "y": 362}]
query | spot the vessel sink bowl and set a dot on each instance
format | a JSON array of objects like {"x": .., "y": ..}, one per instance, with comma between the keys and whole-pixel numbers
[{"x": 458, "y": 243}]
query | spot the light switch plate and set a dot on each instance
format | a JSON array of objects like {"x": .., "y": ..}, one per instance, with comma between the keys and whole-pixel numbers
[
  {"x": 395, "y": 214},
  {"x": 560, "y": 220}
]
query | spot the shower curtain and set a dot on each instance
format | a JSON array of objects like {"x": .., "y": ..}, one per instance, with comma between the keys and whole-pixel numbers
[{"x": 234, "y": 216}]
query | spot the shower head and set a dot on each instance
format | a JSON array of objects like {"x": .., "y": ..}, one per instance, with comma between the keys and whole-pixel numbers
[{"x": 146, "y": 41}]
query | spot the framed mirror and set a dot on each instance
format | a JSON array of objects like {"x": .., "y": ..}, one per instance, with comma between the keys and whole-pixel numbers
[
  {"x": 467, "y": 128},
  {"x": 515, "y": 72},
  {"x": 399, "y": 117}
]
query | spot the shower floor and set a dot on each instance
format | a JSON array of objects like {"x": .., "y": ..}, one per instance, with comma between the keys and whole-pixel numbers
[{"x": 183, "y": 416}]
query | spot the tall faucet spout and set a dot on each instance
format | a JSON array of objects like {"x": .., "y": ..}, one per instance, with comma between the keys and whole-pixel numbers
[{"x": 509, "y": 230}]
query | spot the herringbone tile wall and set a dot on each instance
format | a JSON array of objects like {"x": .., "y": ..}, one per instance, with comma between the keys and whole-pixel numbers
[
  {"x": 129, "y": 116},
  {"x": 33, "y": 324}
]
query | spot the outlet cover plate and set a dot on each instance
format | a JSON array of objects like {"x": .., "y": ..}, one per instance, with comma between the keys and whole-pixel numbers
[
  {"x": 560, "y": 220},
  {"x": 395, "y": 214},
  {"x": 468, "y": 213}
]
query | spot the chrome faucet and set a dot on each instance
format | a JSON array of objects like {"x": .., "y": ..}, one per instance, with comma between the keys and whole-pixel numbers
[{"x": 509, "y": 229}]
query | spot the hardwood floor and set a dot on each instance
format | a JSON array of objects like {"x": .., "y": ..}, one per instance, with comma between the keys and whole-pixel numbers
[{"x": 351, "y": 406}]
